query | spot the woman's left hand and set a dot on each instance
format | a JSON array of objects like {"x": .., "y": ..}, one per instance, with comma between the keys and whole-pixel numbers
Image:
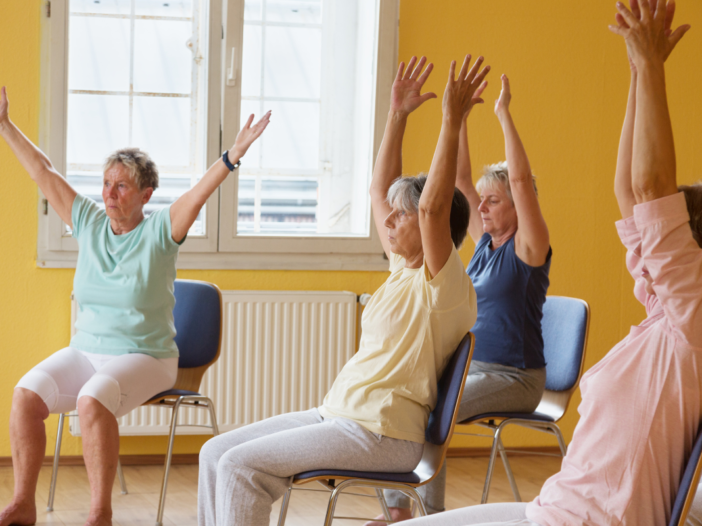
[
  {"x": 458, "y": 96},
  {"x": 502, "y": 103},
  {"x": 247, "y": 135}
]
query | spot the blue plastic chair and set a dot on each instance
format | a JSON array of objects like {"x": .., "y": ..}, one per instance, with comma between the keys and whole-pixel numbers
[
  {"x": 564, "y": 326},
  {"x": 198, "y": 321},
  {"x": 438, "y": 435},
  {"x": 688, "y": 484}
]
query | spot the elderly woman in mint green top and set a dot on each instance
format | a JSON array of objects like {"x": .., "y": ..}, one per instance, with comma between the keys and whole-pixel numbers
[{"x": 123, "y": 352}]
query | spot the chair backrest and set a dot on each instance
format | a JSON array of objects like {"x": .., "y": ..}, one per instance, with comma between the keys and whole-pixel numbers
[
  {"x": 565, "y": 327},
  {"x": 442, "y": 419},
  {"x": 688, "y": 484},
  {"x": 198, "y": 321}
]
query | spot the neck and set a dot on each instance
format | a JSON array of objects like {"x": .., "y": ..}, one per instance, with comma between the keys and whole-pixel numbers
[
  {"x": 500, "y": 239},
  {"x": 415, "y": 260},
  {"x": 125, "y": 225}
]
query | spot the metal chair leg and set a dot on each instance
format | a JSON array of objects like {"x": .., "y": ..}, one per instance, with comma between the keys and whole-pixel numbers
[
  {"x": 213, "y": 417},
  {"x": 508, "y": 470},
  {"x": 383, "y": 504},
  {"x": 167, "y": 467},
  {"x": 491, "y": 467},
  {"x": 284, "y": 507},
  {"x": 120, "y": 475},
  {"x": 417, "y": 498},
  {"x": 54, "y": 472},
  {"x": 561, "y": 441},
  {"x": 331, "y": 507}
]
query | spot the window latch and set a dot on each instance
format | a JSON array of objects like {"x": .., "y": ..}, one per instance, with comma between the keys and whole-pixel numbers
[{"x": 231, "y": 71}]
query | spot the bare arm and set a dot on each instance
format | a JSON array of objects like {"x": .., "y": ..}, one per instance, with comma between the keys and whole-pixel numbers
[
  {"x": 405, "y": 99},
  {"x": 622, "y": 177},
  {"x": 647, "y": 32},
  {"x": 58, "y": 192},
  {"x": 464, "y": 173},
  {"x": 437, "y": 196},
  {"x": 532, "y": 238},
  {"x": 186, "y": 208}
]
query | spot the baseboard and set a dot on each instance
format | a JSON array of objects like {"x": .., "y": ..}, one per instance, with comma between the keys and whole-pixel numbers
[
  {"x": 459, "y": 452},
  {"x": 127, "y": 460}
]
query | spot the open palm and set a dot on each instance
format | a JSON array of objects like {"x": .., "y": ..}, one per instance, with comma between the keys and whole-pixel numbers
[
  {"x": 248, "y": 134},
  {"x": 406, "y": 89}
]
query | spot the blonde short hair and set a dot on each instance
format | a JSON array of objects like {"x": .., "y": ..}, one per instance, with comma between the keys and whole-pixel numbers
[
  {"x": 498, "y": 174},
  {"x": 141, "y": 168}
]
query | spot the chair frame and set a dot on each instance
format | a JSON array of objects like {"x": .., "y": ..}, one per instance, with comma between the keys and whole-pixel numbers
[
  {"x": 429, "y": 466},
  {"x": 691, "y": 491},
  {"x": 553, "y": 403},
  {"x": 188, "y": 379}
]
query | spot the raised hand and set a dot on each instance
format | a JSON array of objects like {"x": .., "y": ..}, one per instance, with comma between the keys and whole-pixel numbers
[
  {"x": 502, "y": 103},
  {"x": 4, "y": 106},
  {"x": 406, "y": 89},
  {"x": 647, "y": 30},
  {"x": 248, "y": 134},
  {"x": 460, "y": 92}
]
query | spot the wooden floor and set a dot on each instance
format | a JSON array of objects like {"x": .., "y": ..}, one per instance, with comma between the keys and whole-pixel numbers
[{"x": 465, "y": 483}]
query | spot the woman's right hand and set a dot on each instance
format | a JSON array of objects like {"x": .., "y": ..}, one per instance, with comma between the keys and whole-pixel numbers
[
  {"x": 406, "y": 88},
  {"x": 4, "y": 106}
]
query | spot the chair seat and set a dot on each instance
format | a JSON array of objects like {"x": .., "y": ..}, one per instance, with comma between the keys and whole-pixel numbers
[
  {"x": 537, "y": 417},
  {"x": 174, "y": 392},
  {"x": 404, "y": 478}
]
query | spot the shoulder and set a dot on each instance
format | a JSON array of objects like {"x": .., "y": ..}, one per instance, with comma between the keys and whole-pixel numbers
[{"x": 85, "y": 212}]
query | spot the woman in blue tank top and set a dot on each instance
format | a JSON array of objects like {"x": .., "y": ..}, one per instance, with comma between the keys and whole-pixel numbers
[{"x": 509, "y": 270}]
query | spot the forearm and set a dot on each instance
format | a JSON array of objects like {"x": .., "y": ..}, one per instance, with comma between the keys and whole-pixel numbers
[
  {"x": 32, "y": 159},
  {"x": 388, "y": 165},
  {"x": 517, "y": 160},
  {"x": 653, "y": 161},
  {"x": 464, "y": 171},
  {"x": 622, "y": 176},
  {"x": 438, "y": 192}
]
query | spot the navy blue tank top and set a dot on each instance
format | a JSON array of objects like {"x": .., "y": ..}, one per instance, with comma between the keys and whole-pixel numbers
[{"x": 511, "y": 296}]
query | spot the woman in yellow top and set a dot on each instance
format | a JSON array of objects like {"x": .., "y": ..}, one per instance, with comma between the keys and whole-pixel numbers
[{"x": 374, "y": 416}]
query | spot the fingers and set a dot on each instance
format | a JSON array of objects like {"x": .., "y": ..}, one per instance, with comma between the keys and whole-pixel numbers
[
  {"x": 677, "y": 35},
  {"x": 410, "y": 68},
  {"x": 505, "y": 83},
  {"x": 479, "y": 92},
  {"x": 464, "y": 68},
  {"x": 248, "y": 122},
  {"x": 645, "y": 6},
  {"x": 3, "y": 94},
  {"x": 620, "y": 20},
  {"x": 474, "y": 70},
  {"x": 427, "y": 96},
  {"x": 661, "y": 11},
  {"x": 418, "y": 69},
  {"x": 635, "y": 9},
  {"x": 628, "y": 16},
  {"x": 400, "y": 71},
  {"x": 669, "y": 15},
  {"x": 618, "y": 30},
  {"x": 481, "y": 76},
  {"x": 452, "y": 71},
  {"x": 423, "y": 78}
]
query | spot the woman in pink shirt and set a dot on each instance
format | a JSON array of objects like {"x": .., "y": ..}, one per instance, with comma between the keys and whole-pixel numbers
[{"x": 642, "y": 403}]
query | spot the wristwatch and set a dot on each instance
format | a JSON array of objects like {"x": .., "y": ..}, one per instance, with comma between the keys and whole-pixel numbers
[{"x": 225, "y": 158}]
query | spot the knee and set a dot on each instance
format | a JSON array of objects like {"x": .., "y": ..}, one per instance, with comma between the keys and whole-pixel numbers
[
  {"x": 91, "y": 410},
  {"x": 211, "y": 453},
  {"x": 27, "y": 403}
]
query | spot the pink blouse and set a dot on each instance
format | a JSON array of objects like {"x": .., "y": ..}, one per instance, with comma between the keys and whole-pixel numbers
[{"x": 641, "y": 403}]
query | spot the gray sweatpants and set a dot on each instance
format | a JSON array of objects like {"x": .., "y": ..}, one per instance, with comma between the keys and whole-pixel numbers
[
  {"x": 489, "y": 387},
  {"x": 243, "y": 472},
  {"x": 500, "y": 514}
]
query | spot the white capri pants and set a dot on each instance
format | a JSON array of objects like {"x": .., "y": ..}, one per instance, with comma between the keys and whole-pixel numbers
[{"x": 120, "y": 383}]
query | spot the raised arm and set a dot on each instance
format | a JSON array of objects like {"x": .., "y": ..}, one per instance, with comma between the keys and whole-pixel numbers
[
  {"x": 186, "y": 208},
  {"x": 532, "y": 240},
  {"x": 437, "y": 195},
  {"x": 622, "y": 177},
  {"x": 406, "y": 97},
  {"x": 464, "y": 173},
  {"x": 55, "y": 188}
]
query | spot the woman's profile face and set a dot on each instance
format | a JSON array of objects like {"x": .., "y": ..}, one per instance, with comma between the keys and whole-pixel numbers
[
  {"x": 497, "y": 211},
  {"x": 122, "y": 197},
  {"x": 403, "y": 232}
]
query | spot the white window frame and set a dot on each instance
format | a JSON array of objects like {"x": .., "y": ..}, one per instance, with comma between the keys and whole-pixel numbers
[{"x": 220, "y": 247}]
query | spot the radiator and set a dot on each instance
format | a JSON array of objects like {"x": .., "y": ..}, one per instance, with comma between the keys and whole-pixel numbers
[{"x": 281, "y": 352}]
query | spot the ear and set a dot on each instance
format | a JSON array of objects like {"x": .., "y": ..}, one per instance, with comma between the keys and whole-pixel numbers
[{"x": 146, "y": 195}]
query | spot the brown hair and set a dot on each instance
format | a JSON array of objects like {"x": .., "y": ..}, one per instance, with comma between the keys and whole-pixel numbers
[
  {"x": 693, "y": 198},
  {"x": 142, "y": 169}
]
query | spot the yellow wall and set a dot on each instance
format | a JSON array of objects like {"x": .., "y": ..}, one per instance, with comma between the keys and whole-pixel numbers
[{"x": 569, "y": 80}]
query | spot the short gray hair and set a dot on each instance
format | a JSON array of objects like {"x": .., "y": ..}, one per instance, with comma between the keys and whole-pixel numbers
[
  {"x": 405, "y": 192},
  {"x": 498, "y": 174},
  {"x": 141, "y": 168}
]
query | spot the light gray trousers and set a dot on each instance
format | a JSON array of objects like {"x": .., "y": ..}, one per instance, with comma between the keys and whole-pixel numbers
[
  {"x": 490, "y": 387},
  {"x": 500, "y": 514},
  {"x": 243, "y": 472}
]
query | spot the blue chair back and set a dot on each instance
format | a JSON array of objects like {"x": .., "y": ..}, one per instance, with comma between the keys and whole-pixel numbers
[
  {"x": 450, "y": 388},
  {"x": 688, "y": 485},
  {"x": 564, "y": 328},
  {"x": 198, "y": 321}
]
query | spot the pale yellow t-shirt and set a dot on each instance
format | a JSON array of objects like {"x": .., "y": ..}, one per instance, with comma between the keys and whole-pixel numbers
[{"x": 411, "y": 327}]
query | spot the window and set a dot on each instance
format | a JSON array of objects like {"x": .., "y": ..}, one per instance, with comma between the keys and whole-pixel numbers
[{"x": 177, "y": 78}]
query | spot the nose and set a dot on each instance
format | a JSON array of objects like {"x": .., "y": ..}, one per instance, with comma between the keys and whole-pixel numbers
[
  {"x": 389, "y": 221},
  {"x": 482, "y": 207}
]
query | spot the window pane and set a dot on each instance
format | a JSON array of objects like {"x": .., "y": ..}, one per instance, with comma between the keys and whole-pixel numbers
[
  {"x": 246, "y": 207},
  {"x": 289, "y": 205},
  {"x": 292, "y": 62},
  {"x": 297, "y": 11},
  {"x": 109, "y": 7},
  {"x": 98, "y": 54},
  {"x": 179, "y": 8},
  {"x": 291, "y": 140},
  {"x": 97, "y": 126},
  {"x": 252, "y": 10},
  {"x": 251, "y": 62},
  {"x": 162, "y": 58},
  {"x": 162, "y": 128}
]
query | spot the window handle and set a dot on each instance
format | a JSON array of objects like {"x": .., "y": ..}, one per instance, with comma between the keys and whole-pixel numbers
[{"x": 231, "y": 72}]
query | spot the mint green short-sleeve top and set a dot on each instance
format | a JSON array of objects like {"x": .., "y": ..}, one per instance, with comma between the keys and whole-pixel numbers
[{"x": 124, "y": 284}]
